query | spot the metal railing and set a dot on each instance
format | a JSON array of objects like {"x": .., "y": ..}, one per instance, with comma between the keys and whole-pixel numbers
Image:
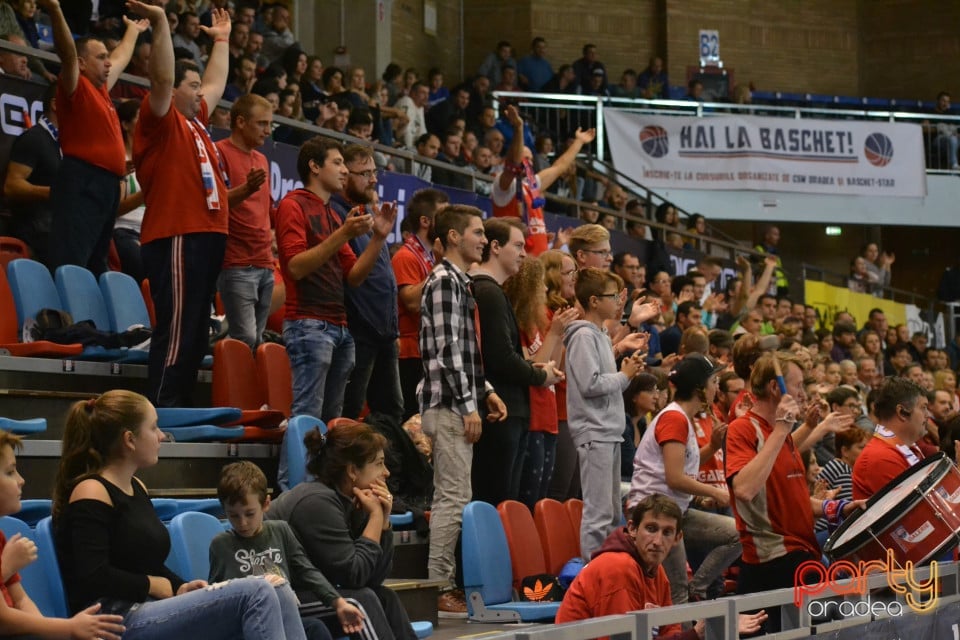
[
  {"x": 563, "y": 113},
  {"x": 721, "y": 615}
]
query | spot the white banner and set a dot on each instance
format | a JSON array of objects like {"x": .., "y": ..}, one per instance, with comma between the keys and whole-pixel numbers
[{"x": 838, "y": 157}]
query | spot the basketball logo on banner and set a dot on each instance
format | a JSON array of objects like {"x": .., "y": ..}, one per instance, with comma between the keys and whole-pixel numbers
[
  {"x": 878, "y": 149},
  {"x": 655, "y": 141}
]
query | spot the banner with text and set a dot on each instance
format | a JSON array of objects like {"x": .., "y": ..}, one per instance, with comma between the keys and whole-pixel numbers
[{"x": 838, "y": 157}]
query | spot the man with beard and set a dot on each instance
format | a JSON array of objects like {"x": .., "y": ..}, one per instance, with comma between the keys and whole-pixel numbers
[
  {"x": 372, "y": 305},
  {"x": 318, "y": 266}
]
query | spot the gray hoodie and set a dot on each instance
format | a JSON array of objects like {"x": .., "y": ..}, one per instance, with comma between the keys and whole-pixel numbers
[{"x": 595, "y": 410}]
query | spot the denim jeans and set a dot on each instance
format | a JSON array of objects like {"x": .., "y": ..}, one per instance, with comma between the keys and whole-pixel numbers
[
  {"x": 246, "y": 292},
  {"x": 537, "y": 467},
  {"x": 321, "y": 359},
  {"x": 375, "y": 380},
  {"x": 711, "y": 534},
  {"x": 246, "y": 608}
]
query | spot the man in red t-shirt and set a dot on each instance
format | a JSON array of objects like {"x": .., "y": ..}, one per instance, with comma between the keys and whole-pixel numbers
[
  {"x": 318, "y": 264},
  {"x": 185, "y": 226},
  {"x": 519, "y": 164},
  {"x": 246, "y": 281},
  {"x": 901, "y": 410},
  {"x": 86, "y": 193},
  {"x": 768, "y": 488},
  {"x": 412, "y": 264}
]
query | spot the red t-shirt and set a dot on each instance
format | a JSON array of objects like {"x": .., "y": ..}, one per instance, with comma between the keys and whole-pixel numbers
[
  {"x": 505, "y": 205},
  {"x": 249, "y": 242},
  {"x": 14, "y": 579},
  {"x": 89, "y": 127},
  {"x": 611, "y": 584},
  {"x": 779, "y": 519},
  {"x": 304, "y": 221},
  {"x": 409, "y": 270},
  {"x": 711, "y": 469},
  {"x": 543, "y": 401},
  {"x": 879, "y": 463},
  {"x": 168, "y": 168}
]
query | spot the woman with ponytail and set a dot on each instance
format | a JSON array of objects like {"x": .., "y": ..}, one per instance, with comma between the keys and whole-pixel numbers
[
  {"x": 342, "y": 519},
  {"x": 112, "y": 546}
]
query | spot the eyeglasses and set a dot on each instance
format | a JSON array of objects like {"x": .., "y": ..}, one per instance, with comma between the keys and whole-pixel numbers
[
  {"x": 606, "y": 253},
  {"x": 369, "y": 174},
  {"x": 569, "y": 272}
]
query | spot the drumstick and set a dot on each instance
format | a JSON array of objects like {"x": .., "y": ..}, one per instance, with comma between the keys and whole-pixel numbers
[{"x": 779, "y": 373}]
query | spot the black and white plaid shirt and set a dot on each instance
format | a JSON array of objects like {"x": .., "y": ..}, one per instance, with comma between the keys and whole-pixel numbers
[{"x": 452, "y": 366}]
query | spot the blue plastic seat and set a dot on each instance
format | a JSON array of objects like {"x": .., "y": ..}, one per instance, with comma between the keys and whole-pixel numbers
[
  {"x": 80, "y": 295},
  {"x": 190, "y": 417},
  {"x": 33, "y": 511},
  {"x": 204, "y": 433},
  {"x": 488, "y": 573},
  {"x": 297, "y": 428},
  {"x": 33, "y": 577},
  {"x": 209, "y": 506},
  {"x": 52, "y": 599},
  {"x": 24, "y": 427},
  {"x": 190, "y": 537},
  {"x": 123, "y": 301},
  {"x": 166, "y": 508}
]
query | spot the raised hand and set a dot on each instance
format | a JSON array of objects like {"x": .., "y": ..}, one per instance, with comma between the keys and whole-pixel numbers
[
  {"x": 585, "y": 137},
  {"x": 512, "y": 115},
  {"x": 139, "y": 26},
  {"x": 787, "y": 412},
  {"x": 562, "y": 318},
  {"x": 357, "y": 223},
  {"x": 220, "y": 27},
  {"x": 383, "y": 494},
  {"x": 255, "y": 180},
  {"x": 770, "y": 261},
  {"x": 151, "y": 12},
  {"x": 563, "y": 236},
  {"x": 836, "y": 421},
  {"x": 367, "y": 499},
  {"x": 385, "y": 216},
  {"x": 644, "y": 310},
  {"x": 634, "y": 342}
]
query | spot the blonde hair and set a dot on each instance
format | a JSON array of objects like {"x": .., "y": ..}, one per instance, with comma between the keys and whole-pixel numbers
[
  {"x": 586, "y": 235},
  {"x": 552, "y": 261},
  {"x": 526, "y": 294},
  {"x": 763, "y": 371}
]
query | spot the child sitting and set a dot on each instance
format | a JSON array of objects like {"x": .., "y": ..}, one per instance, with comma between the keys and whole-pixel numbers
[
  {"x": 269, "y": 548},
  {"x": 18, "y": 613}
]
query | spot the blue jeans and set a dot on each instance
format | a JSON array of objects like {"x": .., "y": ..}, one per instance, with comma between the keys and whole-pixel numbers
[
  {"x": 321, "y": 359},
  {"x": 375, "y": 380},
  {"x": 537, "y": 467},
  {"x": 246, "y": 608},
  {"x": 246, "y": 292}
]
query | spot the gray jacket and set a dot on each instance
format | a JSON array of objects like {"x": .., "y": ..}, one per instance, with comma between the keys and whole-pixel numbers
[{"x": 595, "y": 410}]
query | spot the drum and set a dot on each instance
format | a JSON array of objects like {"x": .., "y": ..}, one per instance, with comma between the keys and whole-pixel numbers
[{"x": 917, "y": 515}]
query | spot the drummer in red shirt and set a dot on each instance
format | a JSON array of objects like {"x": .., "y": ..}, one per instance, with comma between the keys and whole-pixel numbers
[
  {"x": 901, "y": 411},
  {"x": 769, "y": 495}
]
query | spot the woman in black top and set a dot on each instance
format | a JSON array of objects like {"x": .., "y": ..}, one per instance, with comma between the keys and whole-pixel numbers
[{"x": 112, "y": 546}]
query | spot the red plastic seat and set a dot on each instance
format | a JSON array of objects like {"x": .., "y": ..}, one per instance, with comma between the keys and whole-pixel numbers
[
  {"x": 526, "y": 554},
  {"x": 560, "y": 541},
  {"x": 235, "y": 384},
  {"x": 574, "y": 507},
  {"x": 273, "y": 372},
  {"x": 10, "y": 334}
]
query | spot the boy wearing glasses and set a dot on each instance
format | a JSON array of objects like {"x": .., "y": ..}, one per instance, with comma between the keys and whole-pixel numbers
[{"x": 595, "y": 410}]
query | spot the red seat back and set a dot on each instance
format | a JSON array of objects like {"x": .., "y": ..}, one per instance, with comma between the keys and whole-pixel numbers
[
  {"x": 8, "y": 312},
  {"x": 235, "y": 376},
  {"x": 526, "y": 555},
  {"x": 574, "y": 509},
  {"x": 273, "y": 373},
  {"x": 559, "y": 539}
]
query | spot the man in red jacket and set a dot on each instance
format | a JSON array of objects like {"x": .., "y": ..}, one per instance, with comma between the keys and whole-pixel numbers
[{"x": 625, "y": 573}]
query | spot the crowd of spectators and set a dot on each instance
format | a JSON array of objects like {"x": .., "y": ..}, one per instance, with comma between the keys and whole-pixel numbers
[{"x": 539, "y": 364}]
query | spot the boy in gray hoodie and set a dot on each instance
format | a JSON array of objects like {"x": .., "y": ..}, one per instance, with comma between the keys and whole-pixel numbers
[{"x": 595, "y": 404}]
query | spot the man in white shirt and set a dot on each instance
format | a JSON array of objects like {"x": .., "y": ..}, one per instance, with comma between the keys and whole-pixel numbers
[{"x": 413, "y": 106}]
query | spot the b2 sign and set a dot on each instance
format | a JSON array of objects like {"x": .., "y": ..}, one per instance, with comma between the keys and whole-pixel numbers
[{"x": 709, "y": 46}]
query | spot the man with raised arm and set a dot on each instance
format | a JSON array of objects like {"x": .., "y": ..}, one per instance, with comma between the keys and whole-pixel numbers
[
  {"x": 184, "y": 231},
  {"x": 519, "y": 165},
  {"x": 86, "y": 193}
]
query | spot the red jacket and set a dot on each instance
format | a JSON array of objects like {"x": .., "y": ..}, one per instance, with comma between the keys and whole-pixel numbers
[{"x": 614, "y": 582}]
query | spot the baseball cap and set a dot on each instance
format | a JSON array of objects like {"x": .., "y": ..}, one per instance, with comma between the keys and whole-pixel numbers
[{"x": 692, "y": 373}]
